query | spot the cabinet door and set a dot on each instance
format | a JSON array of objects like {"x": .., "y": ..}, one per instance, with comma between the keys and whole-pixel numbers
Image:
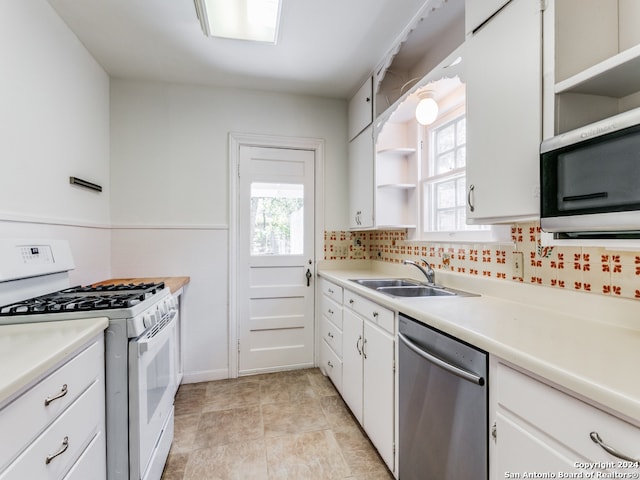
[
  {"x": 378, "y": 414},
  {"x": 361, "y": 109},
  {"x": 504, "y": 78},
  {"x": 477, "y": 12},
  {"x": 352, "y": 362},
  {"x": 521, "y": 451},
  {"x": 361, "y": 180}
]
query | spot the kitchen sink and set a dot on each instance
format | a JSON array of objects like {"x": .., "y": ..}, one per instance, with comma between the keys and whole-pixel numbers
[
  {"x": 403, "y": 287},
  {"x": 416, "y": 291},
  {"x": 376, "y": 283}
]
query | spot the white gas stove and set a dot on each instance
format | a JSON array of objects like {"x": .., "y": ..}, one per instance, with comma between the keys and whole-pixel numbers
[{"x": 140, "y": 346}]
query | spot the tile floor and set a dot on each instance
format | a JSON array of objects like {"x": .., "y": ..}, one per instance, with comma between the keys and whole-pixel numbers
[{"x": 286, "y": 425}]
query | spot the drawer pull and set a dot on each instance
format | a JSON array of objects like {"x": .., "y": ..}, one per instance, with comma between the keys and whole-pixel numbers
[
  {"x": 329, "y": 363},
  {"x": 330, "y": 290},
  {"x": 330, "y": 312},
  {"x": 596, "y": 439},
  {"x": 375, "y": 314},
  {"x": 63, "y": 392},
  {"x": 329, "y": 334},
  {"x": 351, "y": 301},
  {"x": 63, "y": 448}
]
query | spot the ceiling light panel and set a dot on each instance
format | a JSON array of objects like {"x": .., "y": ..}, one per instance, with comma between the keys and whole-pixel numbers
[{"x": 254, "y": 20}]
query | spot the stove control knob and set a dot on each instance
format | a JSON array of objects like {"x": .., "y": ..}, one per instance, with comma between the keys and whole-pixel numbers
[{"x": 147, "y": 320}]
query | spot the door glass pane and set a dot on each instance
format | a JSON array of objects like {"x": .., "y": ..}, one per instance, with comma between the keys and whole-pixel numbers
[{"x": 277, "y": 219}]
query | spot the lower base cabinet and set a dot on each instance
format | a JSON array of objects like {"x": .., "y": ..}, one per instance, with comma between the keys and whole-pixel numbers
[
  {"x": 58, "y": 425},
  {"x": 368, "y": 380},
  {"x": 541, "y": 430}
]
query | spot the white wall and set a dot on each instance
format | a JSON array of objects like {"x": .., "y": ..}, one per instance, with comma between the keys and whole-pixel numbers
[
  {"x": 54, "y": 118},
  {"x": 54, "y": 123},
  {"x": 170, "y": 178}
]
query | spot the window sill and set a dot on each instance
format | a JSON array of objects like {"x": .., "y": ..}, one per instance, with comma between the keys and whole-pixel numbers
[{"x": 499, "y": 234}]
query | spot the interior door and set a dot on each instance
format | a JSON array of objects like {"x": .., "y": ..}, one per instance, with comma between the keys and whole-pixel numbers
[{"x": 276, "y": 269}]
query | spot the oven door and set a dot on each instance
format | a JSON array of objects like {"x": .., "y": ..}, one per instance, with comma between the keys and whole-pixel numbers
[{"x": 152, "y": 387}]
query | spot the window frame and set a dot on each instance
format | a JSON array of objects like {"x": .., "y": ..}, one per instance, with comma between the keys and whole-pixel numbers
[{"x": 490, "y": 234}]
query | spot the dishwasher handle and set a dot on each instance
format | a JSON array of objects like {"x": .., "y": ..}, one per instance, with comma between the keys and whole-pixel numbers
[{"x": 464, "y": 374}]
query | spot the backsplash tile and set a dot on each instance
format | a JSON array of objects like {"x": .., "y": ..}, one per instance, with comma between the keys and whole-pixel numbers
[{"x": 586, "y": 269}]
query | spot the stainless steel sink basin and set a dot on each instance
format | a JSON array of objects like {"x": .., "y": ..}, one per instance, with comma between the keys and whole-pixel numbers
[
  {"x": 404, "y": 287},
  {"x": 416, "y": 291},
  {"x": 376, "y": 283}
]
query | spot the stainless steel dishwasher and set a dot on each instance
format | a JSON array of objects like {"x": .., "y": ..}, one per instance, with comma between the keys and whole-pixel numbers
[{"x": 443, "y": 406}]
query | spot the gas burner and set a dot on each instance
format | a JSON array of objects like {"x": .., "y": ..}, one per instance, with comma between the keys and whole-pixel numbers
[
  {"x": 87, "y": 298},
  {"x": 150, "y": 288}
]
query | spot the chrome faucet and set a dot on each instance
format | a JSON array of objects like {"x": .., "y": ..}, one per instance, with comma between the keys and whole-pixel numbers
[{"x": 428, "y": 272}]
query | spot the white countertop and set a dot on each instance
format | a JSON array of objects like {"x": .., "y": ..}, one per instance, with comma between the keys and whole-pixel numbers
[
  {"x": 586, "y": 343},
  {"x": 30, "y": 350}
]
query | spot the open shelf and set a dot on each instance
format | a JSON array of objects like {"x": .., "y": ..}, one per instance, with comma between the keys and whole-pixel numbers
[{"x": 616, "y": 77}]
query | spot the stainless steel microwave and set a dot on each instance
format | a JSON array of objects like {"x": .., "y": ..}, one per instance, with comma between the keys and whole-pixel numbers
[{"x": 590, "y": 180}]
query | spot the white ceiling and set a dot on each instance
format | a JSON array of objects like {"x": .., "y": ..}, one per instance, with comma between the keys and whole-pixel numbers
[{"x": 325, "y": 47}]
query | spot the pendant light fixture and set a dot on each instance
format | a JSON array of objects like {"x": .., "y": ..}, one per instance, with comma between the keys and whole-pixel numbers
[{"x": 427, "y": 109}]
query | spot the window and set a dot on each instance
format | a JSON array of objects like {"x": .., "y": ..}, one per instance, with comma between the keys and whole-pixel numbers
[{"x": 444, "y": 191}]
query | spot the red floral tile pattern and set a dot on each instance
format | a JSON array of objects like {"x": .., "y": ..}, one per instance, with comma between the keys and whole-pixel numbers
[{"x": 584, "y": 269}]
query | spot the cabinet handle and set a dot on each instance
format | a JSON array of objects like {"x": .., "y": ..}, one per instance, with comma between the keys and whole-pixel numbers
[
  {"x": 364, "y": 354},
  {"x": 596, "y": 439},
  {"x": 358, "y": 345},
  {"x": 472, "y": 187},
  {"x": 330, "y": 291},
  {"x": 329, "y": 334},
  {"x": 63, "y": 392},
  {"x": 375, "y": 314},
  {"x": 329, "y": 363},
  {"x": 63, "y": 448},
  {"x": 368, "y": 99},
  {"x": 330, "y": 312}
]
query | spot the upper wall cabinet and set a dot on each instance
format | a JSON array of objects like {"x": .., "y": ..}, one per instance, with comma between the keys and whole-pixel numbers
[
  {"x": 594, "y": 61},
  {"x": 435, "y": 32},
  {"x": 504, "y": 114},
  {"x": 361, "y": 180},
  {"x": 361, "y": 109},
  {"x": 479, "y": 11}
]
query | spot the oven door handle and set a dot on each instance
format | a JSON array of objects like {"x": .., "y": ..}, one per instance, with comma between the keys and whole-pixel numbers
[
  {"x": 466, "y": 375},
  {"x": 143, "y": 343}
]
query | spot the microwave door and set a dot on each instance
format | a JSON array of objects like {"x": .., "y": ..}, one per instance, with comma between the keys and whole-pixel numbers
[{"x": 593, "y": 185}]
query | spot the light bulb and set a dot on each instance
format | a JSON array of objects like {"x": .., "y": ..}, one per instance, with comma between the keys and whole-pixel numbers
[{"x": 426, "y": 111}]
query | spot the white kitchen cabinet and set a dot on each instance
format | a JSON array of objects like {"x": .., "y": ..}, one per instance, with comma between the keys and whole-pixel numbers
[
  {"x": 361, "y": 180},
  {"x": 57, "y": 426},
  {"x": 594, "y": 67},
  {"x": 504, "y": 115},
  {"x": 477, "y": 12},
  {"x": 539, "y": 428},
  {"x": 331, "y": 323},
  {"x": 361, "y": 109},
  {"x": 368, "y": 370}
]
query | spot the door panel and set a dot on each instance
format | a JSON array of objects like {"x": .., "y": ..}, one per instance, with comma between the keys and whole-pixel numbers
[{"x": 276, "y": 321}]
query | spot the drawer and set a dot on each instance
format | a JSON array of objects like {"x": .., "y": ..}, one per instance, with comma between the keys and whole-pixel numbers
[
  {"x": 28, "y": 415},
  {"x": 78, "y": 424},
  {"x": 331, "y": 290},
  {"x": 565, "y": 419},
  {"x": 92, "y": 463},
  {"x": 332, "y": 335},
  {"x": 331, "y": 310},
  {"x": 371, "y": 311},
  {"x": 331, "y": 365}
]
